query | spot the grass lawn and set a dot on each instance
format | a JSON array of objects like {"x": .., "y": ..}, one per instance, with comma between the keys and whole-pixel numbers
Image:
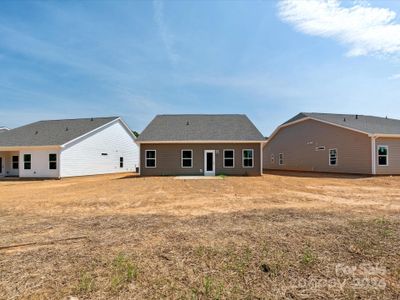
[{"x": 277, "y": 236}]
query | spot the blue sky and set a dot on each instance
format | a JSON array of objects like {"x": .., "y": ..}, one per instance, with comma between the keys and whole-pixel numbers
[{"x": 269, "y": 60}]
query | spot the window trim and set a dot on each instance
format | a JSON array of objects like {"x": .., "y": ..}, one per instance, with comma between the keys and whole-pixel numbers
[
  {"x": 252, "y": 158},
  {"x": 13, "y": 162},
  {"x": 281, "y": 159},
  {"x": 387, "y": 155},
  {"x": 53, "y": 161},
  {"x": 146, "y": 158},
  {"x": 233, "y": 159},
  {"x": 191, "y": 159},
  {"x": 30, "y": 161},
  {"x": 329, "y": 157}
]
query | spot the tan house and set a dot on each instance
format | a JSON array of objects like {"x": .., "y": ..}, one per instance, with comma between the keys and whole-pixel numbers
[
  {"x": 200, "y": 145},
  {"x": 338, "y": 143}
]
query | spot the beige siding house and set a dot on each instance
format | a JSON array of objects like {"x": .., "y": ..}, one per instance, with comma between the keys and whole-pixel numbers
[
  {"x": 200, "y": 145},
  {"x": 336, "y": 143}
]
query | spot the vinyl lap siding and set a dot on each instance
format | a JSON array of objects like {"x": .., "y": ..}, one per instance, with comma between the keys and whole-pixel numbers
[
  {"x": 39, "y": 164},
  {"x": 394, "y": 156},
  {"x": 169, "y": 159},
  {"x": 298, "y": 142},
  {"x": 85, "y": 156}
]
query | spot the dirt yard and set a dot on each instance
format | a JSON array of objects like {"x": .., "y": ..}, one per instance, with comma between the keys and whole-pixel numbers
[{"x": 278, "y": 236}]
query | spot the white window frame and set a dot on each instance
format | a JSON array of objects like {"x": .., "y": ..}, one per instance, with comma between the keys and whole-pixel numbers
[
  {"x": 252, "y": 158},
  {"x": 53, "y": 161},
  {"x": 329, "y": 157},
  {"x": 191, "y": 159},
  {"x": 387, "y": 155},
  {"x": 233, "y": 158},
  {"x": 25, "y": 161},
  {"x": 281, "y": 159},
  {"x": 146, "y": 158}
]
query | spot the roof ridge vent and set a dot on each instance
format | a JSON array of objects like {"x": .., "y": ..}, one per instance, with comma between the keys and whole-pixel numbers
[
  {"x": 66, "y": 129},
  {"x": 36, "y": 132},
  {"x": 187, "y": 123},
  {"x": 356, "y": 117},
  {"x": 91, "y": 119}
]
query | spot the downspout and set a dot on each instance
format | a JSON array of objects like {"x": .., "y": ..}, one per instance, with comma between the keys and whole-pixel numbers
[{"x": 373, "y": 154}]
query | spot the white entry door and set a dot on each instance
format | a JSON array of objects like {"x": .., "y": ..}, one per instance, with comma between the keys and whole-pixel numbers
[{"x": 209, "y": 162}]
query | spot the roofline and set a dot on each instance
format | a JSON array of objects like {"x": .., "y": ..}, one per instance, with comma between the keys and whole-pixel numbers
[
  {"x": 378, "y": 135},
  {"x": 315, "y": 119},
  {"x": 18, "y": 148},
  {"x": 97, "y": 128},
  {"x": 200, "y": 142}
]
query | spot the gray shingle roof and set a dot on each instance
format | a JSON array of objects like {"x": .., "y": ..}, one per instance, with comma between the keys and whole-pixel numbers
[
  {"x": 50, "y": 133},
  {"x": 368, "y": 124},
  {"x": 201, "y": 128}
]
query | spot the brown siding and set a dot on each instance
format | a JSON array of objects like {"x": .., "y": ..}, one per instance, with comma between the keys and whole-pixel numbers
[
  {"x": 353, "y": 149},
  {"x": 394, "y": 156},
  {"x": 169, "y": 159}
]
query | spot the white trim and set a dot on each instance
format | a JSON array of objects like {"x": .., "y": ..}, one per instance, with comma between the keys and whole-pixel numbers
[
  {"x": 373, "y": 155},
  {"x": 387, "y": 155},
  {"x": 336, "y": 157},
  {"x": 315, "y": 119},
  {"x": 205, "y": 172},
  {"x": 145, "y": 159},
  {"x": 140, "y": 161},
  {"x": 281, "y": 162},
  {"x": 201, "y": 142},
  {"x": 191, "y": 159},
  {"x": 27, "y": 148},
  {"x": 252, "y": 158},
  {"x": 261, "y": 159},
  {"x": 223, "y": 158}
]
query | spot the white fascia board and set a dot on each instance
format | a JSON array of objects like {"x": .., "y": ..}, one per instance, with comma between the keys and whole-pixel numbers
[
  {"x": 199, "y": 142},
  {"x": 20, "y": 148}
]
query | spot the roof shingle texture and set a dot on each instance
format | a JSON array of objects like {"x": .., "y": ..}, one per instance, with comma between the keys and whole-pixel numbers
[
  {"x": 50, "y": 133},
  {"x": 201, "y": 128},
  {"x": 367, "y": 124}
]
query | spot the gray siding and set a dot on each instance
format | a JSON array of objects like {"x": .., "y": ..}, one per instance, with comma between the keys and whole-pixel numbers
[
  {"x": 394, "y": 156},
  {"x": 298, "y": 142},
  {"x": 169, "y": 159}
]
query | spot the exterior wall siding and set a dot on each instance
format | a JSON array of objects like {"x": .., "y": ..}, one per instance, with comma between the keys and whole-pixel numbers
[
  {"x": 39, "y": 163},
  {"x": 393, "y": 166},
  {"x": 84, "y": 157},
  {"x": 298, "y": 144},
  {"x": 7, "y": 163},
  {"x": 169, "y": 159}
]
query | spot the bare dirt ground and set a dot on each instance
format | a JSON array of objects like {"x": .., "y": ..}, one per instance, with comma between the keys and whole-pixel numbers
[{"x": 278, "y": 236}]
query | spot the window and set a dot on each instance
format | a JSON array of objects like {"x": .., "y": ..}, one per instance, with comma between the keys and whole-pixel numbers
[
  {"x": 229, "y": 158},
  {"x": 332, "y": 157},
  {"x": 27, "y": 161},
  {"x": 383, "y": 155},
  {"x": 121, "y": 162},
  {"x": 53, "y": 161},
  {"x": 104, "y": 154},
  {"x": 281, "y": 159},
  {"x": 15, "y": 162},
  {"x": 187, "y": 158},
  {"x": 150, "y": 156},
  {"x": 248, "y": 155},
  {"x": 320, "y": 148},
  {"x": 272, "y": 159}
]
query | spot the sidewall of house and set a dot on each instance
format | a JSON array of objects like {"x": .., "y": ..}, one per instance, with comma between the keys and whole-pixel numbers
[
  {"x": 100, "y": 152},
  {"x": 299, "y": 142},
  {"x": 393, "y": 166},
  {"x": 169, "y": 159},
  {"x": 39, "y": 164}
]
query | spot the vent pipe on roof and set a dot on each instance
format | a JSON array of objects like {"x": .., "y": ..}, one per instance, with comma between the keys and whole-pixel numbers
[
  {"x": 356, "y": 117},
  {"x": 187, "y": 123},
  {"x": 91, "y": 119},
  {"x": 36, "y": 132},
  {"x": 66, "y": 129},
  {"x": 344, "y": 119}
]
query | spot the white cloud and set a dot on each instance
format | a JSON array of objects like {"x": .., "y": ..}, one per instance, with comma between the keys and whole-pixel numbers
[
  {"x": 166, "y": 36},
  {"x": 364, "y": 29}
]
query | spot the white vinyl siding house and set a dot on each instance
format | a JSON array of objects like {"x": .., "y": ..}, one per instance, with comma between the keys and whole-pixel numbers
[
  {"x": 78, "y": 147},
  {"x": 99, "y": 152}
]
